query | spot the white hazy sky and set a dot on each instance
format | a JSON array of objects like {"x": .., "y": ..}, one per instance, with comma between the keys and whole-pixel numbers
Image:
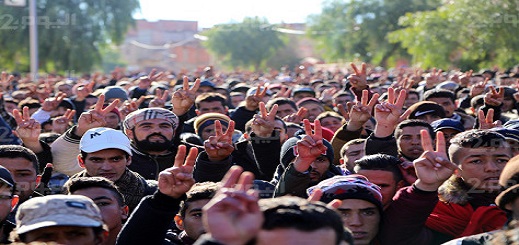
[{"x": 211, "y": 12}]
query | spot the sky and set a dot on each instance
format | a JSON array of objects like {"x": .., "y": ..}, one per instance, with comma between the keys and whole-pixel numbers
[{"x": 211, "y": 12}]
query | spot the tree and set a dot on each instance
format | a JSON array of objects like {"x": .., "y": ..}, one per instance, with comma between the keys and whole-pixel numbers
[
  {"x": 358, "y": 28},
  {"x": 248, "y": 44},
  {"x": 465, "y": 34},
  {"x": 71, "y": 33}
]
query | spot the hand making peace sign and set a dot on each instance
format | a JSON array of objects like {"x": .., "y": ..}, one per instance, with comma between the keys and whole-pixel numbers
[
  {"x": 220, "y": 146},
  {"x": 310, "y": 147},
  {"x": 184, "y": 98},
  {"x": 359, "y": 79},
  {"x": 433, "y": 166},
  {"x": 360, "y": 112},
  {"x": 263, "y": 124},
  {"x": 177, "y": 180},
  {"x": 96, "y": 117}
]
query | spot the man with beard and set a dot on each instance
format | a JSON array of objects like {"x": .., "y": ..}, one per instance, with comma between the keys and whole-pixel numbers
[
  {"x": 151, "y": 130},
  {"x": 308, "y": 159}
]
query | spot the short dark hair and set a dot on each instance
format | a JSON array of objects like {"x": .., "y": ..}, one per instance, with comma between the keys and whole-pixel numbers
[
  {"x": 475, "y": 138},
  {"x": 16, "y": 151},
  {"x": 300, "y": 214},
  {"x": 199, "y": 191},
  {"x": 380, "y": 162},
  {"x": 210, "y": 97},
  {"x": 413, "y": 123},
  {"x": 80, "y": 183},
  {"x": 413, "y": 91},
  {"x": 439, "y": 93},
  {"x": 350, "y": 143},
  {"x": 85, "y": 154},
  {"x": 280, "y": 101}
]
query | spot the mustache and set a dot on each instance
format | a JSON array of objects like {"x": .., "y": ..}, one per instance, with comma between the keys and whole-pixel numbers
[{"x": 156, "y": 134}]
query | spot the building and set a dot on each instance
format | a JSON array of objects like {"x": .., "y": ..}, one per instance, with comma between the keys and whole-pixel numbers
[{"x": 164, "y": 44}]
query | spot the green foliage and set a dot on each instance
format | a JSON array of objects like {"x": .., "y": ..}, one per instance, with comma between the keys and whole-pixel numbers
[
  {"x": 463, "y": 33},
  {"x": 357, "y": 29},
  {"x": 73, "y": 45},
  {"x": 248, "y": 44}
]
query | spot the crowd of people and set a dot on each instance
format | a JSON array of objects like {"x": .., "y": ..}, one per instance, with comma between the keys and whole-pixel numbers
[{"x": 360, "y": 156}]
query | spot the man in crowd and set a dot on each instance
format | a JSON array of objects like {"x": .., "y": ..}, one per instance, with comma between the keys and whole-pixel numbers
[
  {"x": 108, "y": 199},
  {"x": 64, "y": 219}
]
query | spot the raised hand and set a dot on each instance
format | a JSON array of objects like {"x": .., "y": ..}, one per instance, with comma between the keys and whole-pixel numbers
[
  {"x": 345, "y": 112},
  {"x": 184, "y": 98},
  {"x": 358, "y": 80},
  {"x": 5, "y": 81},
  {"x": 51, "y": 104},
  {"x": 131, "y": 106},
  {"x": 252, "y": 101},
  {"x": 83, "y": 91},
  {"x": 316, "y": 196},
  {"x": 95, "y": 117},
  {"x": 177, "y": 180},
  {"x": 145, "y": 82},
  {"x": 464, "y": 80},
  {"x": 263, "y": 124},
  {"x": 28, "y": 130},
  {"x": 361, "y": 110},
  {"x": 433, "y": 166},
  {"x": 220, "y": 146},
  {"x": 160, "y": 98},
  {"x": 310, "y": 147},
  {"x": 297, "y": 117},
  {"x": 233, "y": 215},
  {"x": 478, "y": 88},
  {"x": 327, "y": 95},
  {"x": 61, "y": 124},
  {"x": 433, "y": 78},
  {"x": 495, "y": 98},
  {"x": 487, "y": 122},
  {"x": 388, "y": 114},
  {"x": 284, "y": 92}
]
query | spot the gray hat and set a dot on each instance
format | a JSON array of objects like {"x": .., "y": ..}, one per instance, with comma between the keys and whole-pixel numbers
[
  {"x": 115, "y": 92},
  {"x": 57, "y": 210}
]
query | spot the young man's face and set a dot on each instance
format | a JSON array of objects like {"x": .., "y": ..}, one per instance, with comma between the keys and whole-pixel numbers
[
  {"x": 113, "y": 214},
  {"x": 24, "y": 175},
  {"x": 481, "y": 167},
  {"x": 237, "y": 99},
  {"x": 7, "y": 202},
  {"x": 112, "y": 120},
  {"x": 352, "y": 154},
  {"x": 301, "y": 95},
  {"x": 411, "y": 99},
  {"x": 386, "y": 181},
  {"x": 362, "y": 218},
  {"x": 108, "y": 163},
  {"x": 319, "y": 167},
  {"x": 192, "y": 222},
  {"x": 209, "y": 131},
  {"x": 282, "y": 236},
  {"x": 331, "y": 123},
  {"x": 447, "y": 104},
  {"x": 66, "y": 235},
  {"x": 409, "y": 142},
  {"x": 213, "y": 106},
  {"x": 314, "y": 109},
  {"x": 285, "y": 110}
]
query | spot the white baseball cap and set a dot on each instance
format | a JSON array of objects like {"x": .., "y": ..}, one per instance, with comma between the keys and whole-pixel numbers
[{"x": 97, "y": 139}]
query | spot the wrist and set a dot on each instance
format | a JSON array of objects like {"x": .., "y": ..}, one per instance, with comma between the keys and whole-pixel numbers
[
  {"x": 383, "y": 131},
  {"x": 354, "y": 125},
  {"x": 426, "y": 186}
]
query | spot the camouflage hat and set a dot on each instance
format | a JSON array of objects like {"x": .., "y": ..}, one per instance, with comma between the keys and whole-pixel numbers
[
  {"x": 150, "y": 113},
  {"x": 57, "y": 210}
]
